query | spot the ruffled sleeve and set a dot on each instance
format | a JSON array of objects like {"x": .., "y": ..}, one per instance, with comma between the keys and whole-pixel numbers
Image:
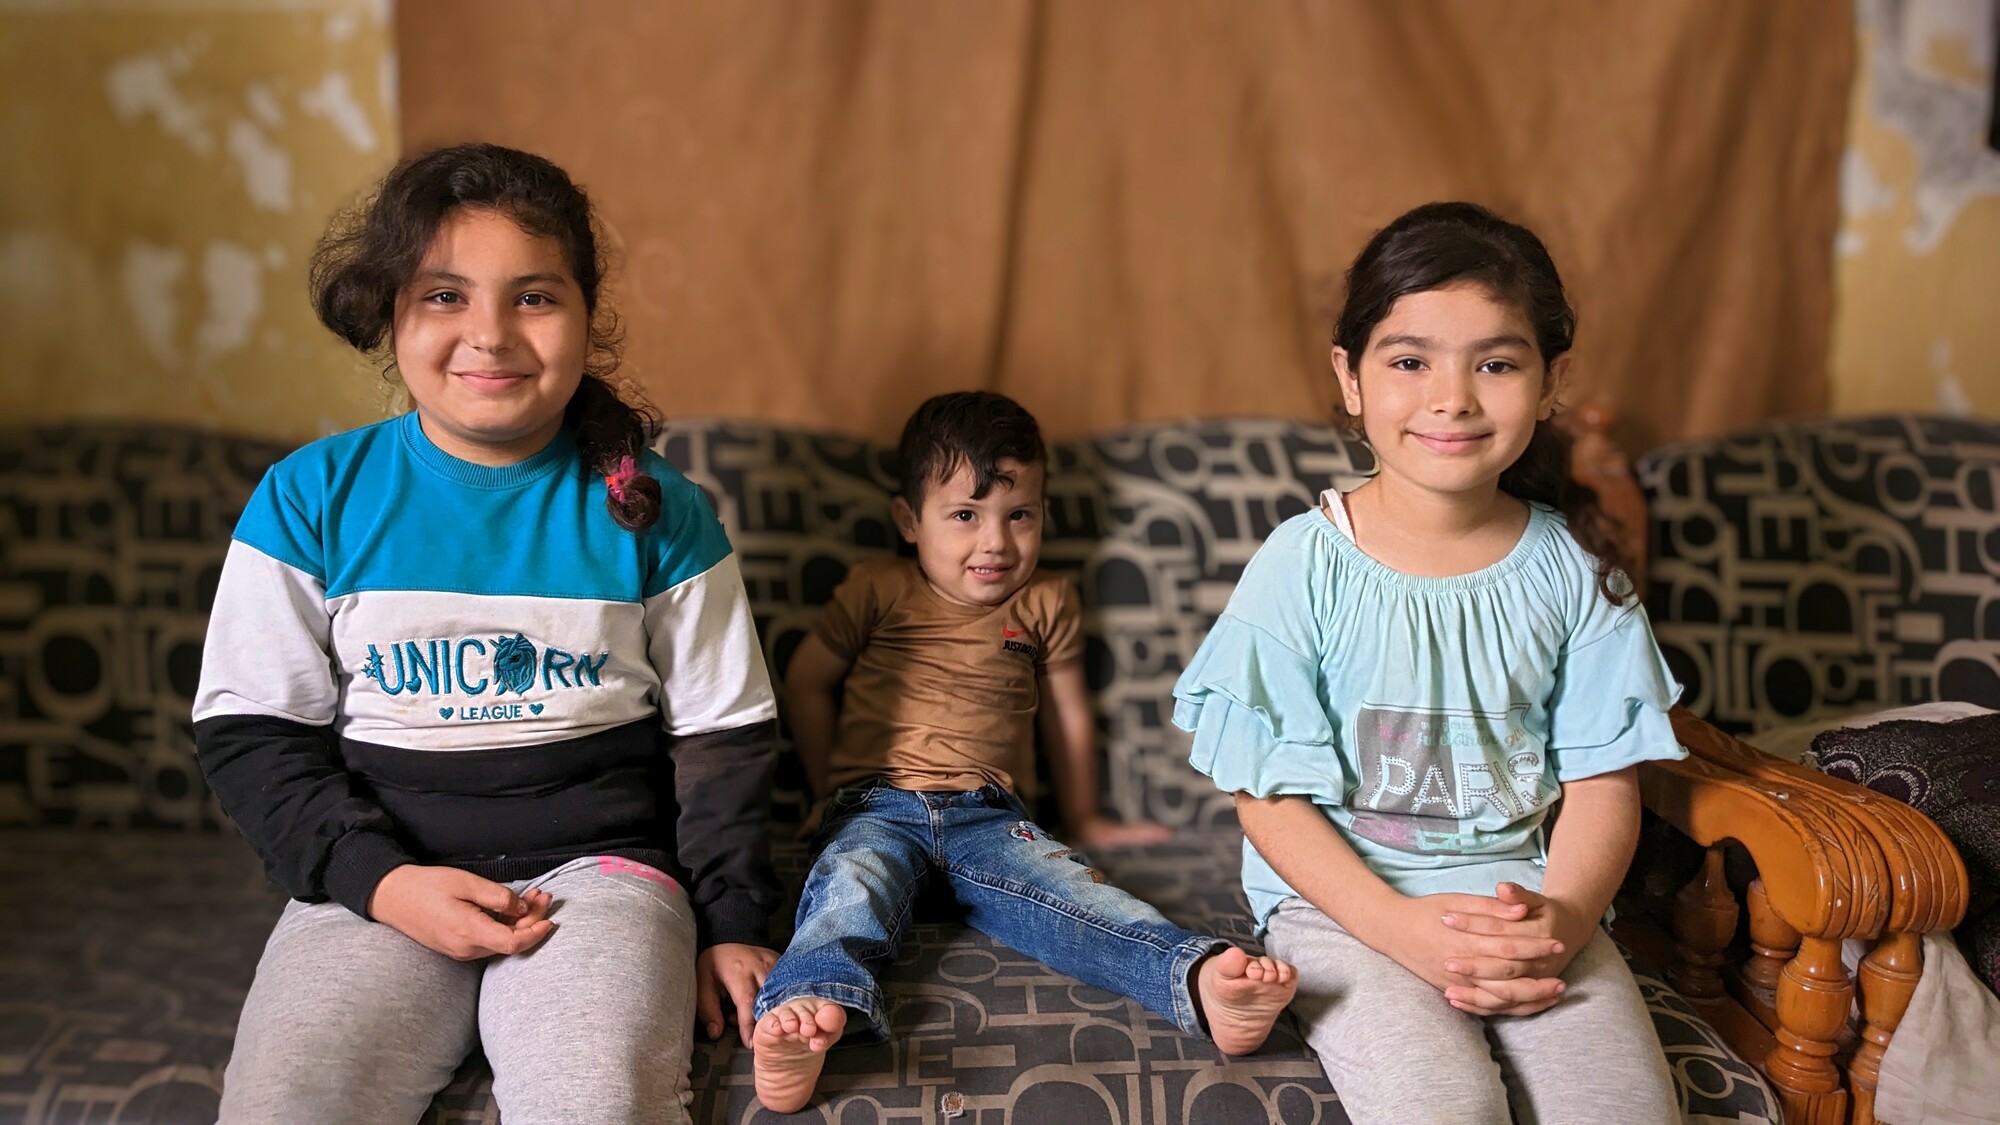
[
  {"x": 1613, "y": 690},
  {"x": 1259, "y": 725}
]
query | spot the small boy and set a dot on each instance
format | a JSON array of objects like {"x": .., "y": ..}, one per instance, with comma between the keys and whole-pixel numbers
[{"x": 913, "y": 704}]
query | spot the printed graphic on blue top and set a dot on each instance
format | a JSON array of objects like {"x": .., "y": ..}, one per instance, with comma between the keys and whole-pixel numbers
[
  {"x": 503, "y": 664},
  {"x": 1428, "y": 776}
]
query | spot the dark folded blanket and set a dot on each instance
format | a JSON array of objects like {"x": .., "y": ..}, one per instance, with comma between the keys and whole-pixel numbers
[{"x": 1950, "y": 772}]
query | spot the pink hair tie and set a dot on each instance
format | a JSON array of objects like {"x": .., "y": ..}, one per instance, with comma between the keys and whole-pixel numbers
[{"x": 615, "y": 482}]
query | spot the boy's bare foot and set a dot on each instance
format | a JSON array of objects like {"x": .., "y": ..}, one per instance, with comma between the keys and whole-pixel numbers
[
  {"x": 1241, "y": 997},
  {"x": 791, "y": 1042}
]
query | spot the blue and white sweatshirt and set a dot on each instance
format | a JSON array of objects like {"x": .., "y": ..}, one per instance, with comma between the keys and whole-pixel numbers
[{"x": 416, "y": 659}]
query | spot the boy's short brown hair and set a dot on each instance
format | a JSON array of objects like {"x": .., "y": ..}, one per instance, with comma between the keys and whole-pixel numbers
[{"x": 976, "y": 428}]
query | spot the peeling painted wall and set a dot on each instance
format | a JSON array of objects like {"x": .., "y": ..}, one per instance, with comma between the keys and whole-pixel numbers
[
  {"x": 169, "y": 167},
  {"x": 1917, "y": 285}
]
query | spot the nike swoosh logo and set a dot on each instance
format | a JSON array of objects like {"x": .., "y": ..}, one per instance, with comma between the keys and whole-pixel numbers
[{"x": 1010, "y": 634}]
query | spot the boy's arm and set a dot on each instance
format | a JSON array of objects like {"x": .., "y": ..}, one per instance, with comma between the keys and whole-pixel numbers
[
  {"x": 1069, "y": 730},
  {"x": 812, "y": 702},
  {"x": 1308, "y": 853}
]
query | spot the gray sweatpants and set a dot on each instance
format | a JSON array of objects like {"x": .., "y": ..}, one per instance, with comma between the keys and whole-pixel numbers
[
  {"x": 350, "y": 1021},
  {"x": 1396, "y": 1051}
]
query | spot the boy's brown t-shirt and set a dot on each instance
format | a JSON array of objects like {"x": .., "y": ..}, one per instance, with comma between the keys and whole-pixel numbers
[{"x": 942, "y": 696}]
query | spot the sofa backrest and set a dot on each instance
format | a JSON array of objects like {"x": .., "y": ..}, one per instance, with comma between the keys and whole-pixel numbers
[
  {"x": 112, "y": 537},
  {"x": 1810, "y": 568},
  {"x": 111, "y": 541}
]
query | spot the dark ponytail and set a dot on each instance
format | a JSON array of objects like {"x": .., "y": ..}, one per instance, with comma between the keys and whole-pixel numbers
[
  {"x": 610, "y": 433},
  {"x": 372, "y": 250},
  {"x": 1441, "y": 243}
]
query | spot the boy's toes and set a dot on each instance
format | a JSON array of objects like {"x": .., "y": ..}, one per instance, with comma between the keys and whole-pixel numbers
[
  {"x": 1242, "y": 997},
  {"x": 788, "y": 1060}
]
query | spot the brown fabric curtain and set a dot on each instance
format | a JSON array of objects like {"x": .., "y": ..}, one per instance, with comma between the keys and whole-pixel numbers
[{"x": 1120, "y": 210}]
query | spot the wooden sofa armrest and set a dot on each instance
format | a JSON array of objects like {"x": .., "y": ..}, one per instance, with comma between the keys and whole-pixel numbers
[
  {"x": 1822, "y": 880},
  {"x": 1927, "y": 887},
  {"x": 1927, "y": 877}
]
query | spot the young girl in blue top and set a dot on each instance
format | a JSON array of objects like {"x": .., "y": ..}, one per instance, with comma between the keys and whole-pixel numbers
[
  {"x": 482, "y": 688},
  {"x": 1409, "y": 678}
]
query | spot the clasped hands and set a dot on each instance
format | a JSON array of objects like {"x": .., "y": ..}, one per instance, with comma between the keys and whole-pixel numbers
[{"x": 1491, "y": 956}]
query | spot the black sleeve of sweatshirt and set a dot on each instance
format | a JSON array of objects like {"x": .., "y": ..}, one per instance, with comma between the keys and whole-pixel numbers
[
  {"x": 722, "y": 783},
  {"x": 284, "y": 785}
]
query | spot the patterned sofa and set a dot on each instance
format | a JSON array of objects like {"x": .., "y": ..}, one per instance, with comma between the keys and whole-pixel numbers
[
  {"x": 145, "y": 916},
  {"x": 1802, "y": 572}
]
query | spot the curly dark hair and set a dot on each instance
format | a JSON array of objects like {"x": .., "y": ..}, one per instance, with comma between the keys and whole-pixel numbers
[
  {"x": 371, "y": 250},
  {"x": 976, "y": 428},
  {"x": 1441, "y": 243}
]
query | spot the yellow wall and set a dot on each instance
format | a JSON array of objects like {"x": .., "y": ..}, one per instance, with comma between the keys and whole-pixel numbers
[
  {"x": 169, "y": 166},
  {"x": 1917, "y": 288}
]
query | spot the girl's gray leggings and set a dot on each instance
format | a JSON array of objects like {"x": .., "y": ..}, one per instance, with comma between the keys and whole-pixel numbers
[{"x": 350, "y": 1021}]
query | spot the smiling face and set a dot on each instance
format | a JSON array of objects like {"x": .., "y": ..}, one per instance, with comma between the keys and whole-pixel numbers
[
  {"x": 978, "y": 551},
  {"x": 490, "y": 337},
  {"x": 1449, "y": 389}
]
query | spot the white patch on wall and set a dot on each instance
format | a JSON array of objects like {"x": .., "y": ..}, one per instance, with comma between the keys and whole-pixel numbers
[
  {"x": 340, "y": 26},
  {"x": 386, "y": 81},
  {"x": 151, "y": 275},
  {"x": 1952, "y": 400},
  {"x": 144, "y": 86},
  {"x": 43, "y": 276},
  {"x": 333, "y": 100},
  {"x": 233, "y": 282},
  {"x": 264, "y": 105},
  {"x": 1968, "y": 22},
  {"x": 1951, "y": 397},
  {"x": 1943, "y": 117},
  {"x": 1860, "y": 194},
  {"x": 267, "y": 170}
]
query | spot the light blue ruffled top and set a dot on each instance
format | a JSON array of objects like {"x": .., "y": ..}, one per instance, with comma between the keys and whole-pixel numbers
[{"x": 1433, "y": 720}]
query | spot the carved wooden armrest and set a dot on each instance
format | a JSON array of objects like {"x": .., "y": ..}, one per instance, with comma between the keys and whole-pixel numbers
[
  {"x": 1823, "y": 880},
  {"x": 1926, "y": 881}
]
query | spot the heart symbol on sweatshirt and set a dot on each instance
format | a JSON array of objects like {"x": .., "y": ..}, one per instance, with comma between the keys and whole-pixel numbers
[
  {"x": 444, "y": 712},
  {"x": 535, "y": 708}
]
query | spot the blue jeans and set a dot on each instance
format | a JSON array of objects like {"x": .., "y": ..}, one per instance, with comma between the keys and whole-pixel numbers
[{"x": 1018, "y": 884}]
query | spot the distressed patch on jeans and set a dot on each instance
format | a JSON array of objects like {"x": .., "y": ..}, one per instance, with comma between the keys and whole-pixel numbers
[{"x": 1023, "y": 830}]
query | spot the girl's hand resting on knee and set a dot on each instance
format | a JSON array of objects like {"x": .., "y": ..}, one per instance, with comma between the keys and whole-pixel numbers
[{"x": 458, "y": 914}]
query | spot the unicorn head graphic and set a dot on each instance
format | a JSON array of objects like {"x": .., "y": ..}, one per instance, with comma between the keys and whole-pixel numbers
[{"x": 513, "y": 664}]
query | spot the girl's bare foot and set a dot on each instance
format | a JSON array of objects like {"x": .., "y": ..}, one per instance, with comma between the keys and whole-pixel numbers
[
  {"x": 791, "y": 1042},
  {"x": 1241, "y": 997}
]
